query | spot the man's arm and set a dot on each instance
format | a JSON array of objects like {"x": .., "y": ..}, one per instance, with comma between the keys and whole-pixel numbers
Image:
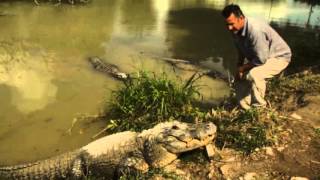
[
  {"x": 241, "y": 67},
  {"x": 241, "y": 58},
  {"x": 260, "y": 43}
]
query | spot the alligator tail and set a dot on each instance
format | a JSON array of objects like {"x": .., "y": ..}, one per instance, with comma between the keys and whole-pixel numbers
[{"x": 60, "y": 167}]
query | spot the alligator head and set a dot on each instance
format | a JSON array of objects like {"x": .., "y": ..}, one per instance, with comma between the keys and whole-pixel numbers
[
  {"x": 121, "y": 75},
  {"x": 163, "y": 143}
]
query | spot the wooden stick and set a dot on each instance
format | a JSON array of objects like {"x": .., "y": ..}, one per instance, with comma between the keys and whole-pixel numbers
[
  {"x": 99, "y": 133},
  {"x": 172, "y": 59}
]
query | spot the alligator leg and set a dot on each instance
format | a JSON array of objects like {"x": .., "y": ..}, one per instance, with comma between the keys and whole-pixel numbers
[{"x": 133, "y": 165}]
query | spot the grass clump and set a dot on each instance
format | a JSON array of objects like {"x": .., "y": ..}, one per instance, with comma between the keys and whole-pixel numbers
[
  {"x": 153, "y": 173},
  {"x": 294, "y": 86},
  {"x": 244, "y": 130},
  {"x": 147, "y": 99},
  {"x": 317, "y": 131}
]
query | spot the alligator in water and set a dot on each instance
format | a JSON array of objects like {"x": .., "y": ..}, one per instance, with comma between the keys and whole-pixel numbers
[
  {"x": 157, "y": 147},
  {"x": 107, "y": 68}
]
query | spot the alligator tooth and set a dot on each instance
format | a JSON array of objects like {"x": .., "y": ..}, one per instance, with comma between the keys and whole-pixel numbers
[{"x": 210, "y": 150}]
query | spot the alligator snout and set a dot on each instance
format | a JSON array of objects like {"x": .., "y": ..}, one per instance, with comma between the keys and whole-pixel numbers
[{"x": 206, "y": 131}]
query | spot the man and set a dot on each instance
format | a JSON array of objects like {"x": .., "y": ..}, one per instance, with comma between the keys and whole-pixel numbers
[{"x": 267, "y": 54}]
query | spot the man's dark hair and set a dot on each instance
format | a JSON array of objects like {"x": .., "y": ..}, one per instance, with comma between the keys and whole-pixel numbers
[{"x": 232, "y": 8}]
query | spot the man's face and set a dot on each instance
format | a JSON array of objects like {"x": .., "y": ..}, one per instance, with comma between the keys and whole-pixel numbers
[{"x": 234, "y": 24}]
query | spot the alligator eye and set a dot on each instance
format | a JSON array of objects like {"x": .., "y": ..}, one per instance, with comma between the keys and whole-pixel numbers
[{"x": 175, "y": 127}]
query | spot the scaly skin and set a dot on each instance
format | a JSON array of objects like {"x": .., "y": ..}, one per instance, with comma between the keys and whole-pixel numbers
[
  {"x": 103, "y": 158},
  {"x": 53, "y": 168},
  {"x": 110, "y": 69}
]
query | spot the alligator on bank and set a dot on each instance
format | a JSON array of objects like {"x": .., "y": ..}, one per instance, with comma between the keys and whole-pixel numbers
[
  {"x": 106, "y": 157},
  {"x": 107, "y": 68}
]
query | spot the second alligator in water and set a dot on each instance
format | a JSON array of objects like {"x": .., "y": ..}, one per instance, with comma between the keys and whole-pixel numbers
[{"x": 107, "y": 68}]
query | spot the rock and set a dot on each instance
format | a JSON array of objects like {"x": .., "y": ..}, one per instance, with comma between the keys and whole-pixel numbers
[
  {"x": 281, "y": 148},
  {"x": 296, "y": 116},
  {"x": 228, "y": 155},
  {"x": 211, "y": 174},
  {"x": 230, "y": 159},
  {"x": 298, "y": 178},
  {"x": 269, "y": 151},
  {"x": 250, "y": 176},
  {"x": 228, "y": 169},
  {"x": 174, "y": 168}
]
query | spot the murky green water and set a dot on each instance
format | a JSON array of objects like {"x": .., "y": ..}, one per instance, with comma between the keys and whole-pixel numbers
[{"x": 46, "y": 81}]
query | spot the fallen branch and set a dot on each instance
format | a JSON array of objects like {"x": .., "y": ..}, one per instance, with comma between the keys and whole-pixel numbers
[{"x": 174, "y": 60}]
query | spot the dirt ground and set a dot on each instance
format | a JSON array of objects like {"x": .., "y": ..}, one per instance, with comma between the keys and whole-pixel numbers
[{"x": 295, "y": 156}]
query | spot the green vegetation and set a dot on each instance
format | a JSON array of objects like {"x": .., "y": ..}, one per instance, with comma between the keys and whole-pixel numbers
[
  {"x": 244, "y": 130},
  {"x": 151, "y": 174},
  {"x": 317, "y": 131},
  {"x": 146, "y": 100},
  {"x": 295, "y": 86}
]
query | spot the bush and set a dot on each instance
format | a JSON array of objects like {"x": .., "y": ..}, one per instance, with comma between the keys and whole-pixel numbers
[{"x": 146, "y": 100}]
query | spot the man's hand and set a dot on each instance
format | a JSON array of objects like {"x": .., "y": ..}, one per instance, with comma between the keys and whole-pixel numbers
[
  {"x": 242, "y": 69},
  {"x": 238, "y": 76}
]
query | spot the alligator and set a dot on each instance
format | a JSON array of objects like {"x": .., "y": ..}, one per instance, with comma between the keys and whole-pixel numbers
[
  {"x": 107, "y": 157},
  {"x": 59, "y": 2},
  {"x": 107, "y": 68}
]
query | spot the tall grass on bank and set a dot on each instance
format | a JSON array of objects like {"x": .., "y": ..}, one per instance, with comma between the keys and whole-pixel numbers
[{"x": 146, "y": 99}]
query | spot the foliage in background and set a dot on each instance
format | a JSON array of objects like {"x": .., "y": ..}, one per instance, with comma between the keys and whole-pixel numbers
[
  {"x": 244, "y": 130},
  {"x": 147, "y": 99},
  {"x": 304, "y": 44},
  {"x": 295, "y": 86}
]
